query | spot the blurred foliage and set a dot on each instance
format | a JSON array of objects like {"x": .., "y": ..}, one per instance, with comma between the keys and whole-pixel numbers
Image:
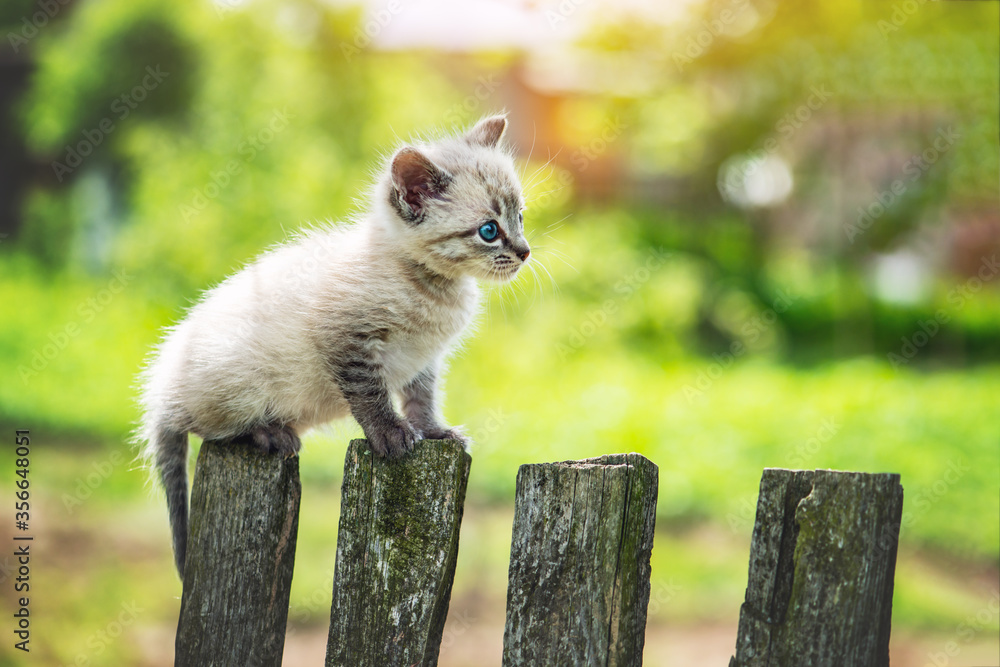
[
  {"x": 715, "y": 338},
  {"x": 264, "y": 121}
]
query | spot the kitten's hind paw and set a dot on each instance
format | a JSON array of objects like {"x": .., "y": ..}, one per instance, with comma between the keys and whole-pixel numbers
[{"x": 273, "y": 438}]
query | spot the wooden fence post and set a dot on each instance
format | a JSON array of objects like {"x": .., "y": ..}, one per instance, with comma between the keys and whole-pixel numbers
[
  {"x": 241, "y": 552},
  {"x": 822, "y": 560},
  {"x": 396, "y": 551},
  {"x": 579, "y": 566}
]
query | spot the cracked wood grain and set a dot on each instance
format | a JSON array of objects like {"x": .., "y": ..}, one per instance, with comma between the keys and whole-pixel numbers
[
  {"x": 240, "y": 558},
  {"x": 579, "y": 570},
  {"x": 822, "y": 561}
]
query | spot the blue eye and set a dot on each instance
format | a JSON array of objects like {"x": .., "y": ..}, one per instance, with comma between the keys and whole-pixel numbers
[{"x": 489, "y": 231}]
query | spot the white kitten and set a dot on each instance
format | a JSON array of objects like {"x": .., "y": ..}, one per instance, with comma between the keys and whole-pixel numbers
[{"x": 341, "y": 320}]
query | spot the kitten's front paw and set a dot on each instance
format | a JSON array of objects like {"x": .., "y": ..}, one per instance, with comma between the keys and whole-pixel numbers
[
  {"x": 446, "y": 433},
  {"x": 392, "y": 441}
]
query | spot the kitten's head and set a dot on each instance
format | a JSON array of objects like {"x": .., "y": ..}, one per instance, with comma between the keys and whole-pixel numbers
[{"x": 456, "y": 204}]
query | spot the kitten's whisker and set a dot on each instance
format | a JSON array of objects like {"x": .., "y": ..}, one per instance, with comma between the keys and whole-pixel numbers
[
  {"x": 531, "y": 180},
  {"x": 557, "y": 254},
  {"x": 533, "y": 290},
  {"x": 542, "y": 234},
  {"x": 516, "y": 294},
  {"x": 550, "y": 229},
  {"x": 496, "y": 289},
  {"x": 503, "y": 310},
  {"x": 552, "y": 226},
  {"x": 552, "y": 280},
  {"x": 544, "y": 237},
  {"x": 534, "y": 136},
  {"x": 488, "y": 299},
  {"x": 539, "y": 195},
  {"x": 549, "y": 248},
  {"x": 536, "y": 282},
  {"x": 564, "y": 260}
]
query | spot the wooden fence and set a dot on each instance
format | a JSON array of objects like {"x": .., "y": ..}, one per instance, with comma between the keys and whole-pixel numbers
[{"x": 819, "y": 589}]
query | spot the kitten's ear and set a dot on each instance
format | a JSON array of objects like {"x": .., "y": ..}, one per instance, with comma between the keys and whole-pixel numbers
[
  {"x": 488, "y": 131},
  {"x": 415, "y": 179}
]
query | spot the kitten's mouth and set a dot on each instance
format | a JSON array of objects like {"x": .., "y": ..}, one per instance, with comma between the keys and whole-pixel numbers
[{"x": 506, "y": 271}]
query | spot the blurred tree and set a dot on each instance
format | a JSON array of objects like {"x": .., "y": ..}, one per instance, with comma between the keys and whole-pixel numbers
[{"x": 881, "y": 119}]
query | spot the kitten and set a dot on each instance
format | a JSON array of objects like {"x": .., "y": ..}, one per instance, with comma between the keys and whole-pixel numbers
[{"x": 341, "y": 320}]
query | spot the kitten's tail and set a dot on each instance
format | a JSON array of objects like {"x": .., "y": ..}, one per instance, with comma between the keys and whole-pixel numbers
[{"x": 170, "y": 453}]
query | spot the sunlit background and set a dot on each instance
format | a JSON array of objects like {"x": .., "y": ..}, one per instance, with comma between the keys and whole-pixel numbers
[{"x": 765, "y": 234}]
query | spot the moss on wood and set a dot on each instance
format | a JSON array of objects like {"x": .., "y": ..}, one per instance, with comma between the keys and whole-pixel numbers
[
  {"x": 822, "y": 561},
  {"x": 396, "y": 553}
]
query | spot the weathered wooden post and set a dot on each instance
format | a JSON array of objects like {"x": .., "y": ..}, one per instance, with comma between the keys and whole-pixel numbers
[
  {"x": 396, "y": 551},
  {"x": 579, "y": 564},
  {"x": 241, "y": 551},
  {"x": 822, "y": 560}
]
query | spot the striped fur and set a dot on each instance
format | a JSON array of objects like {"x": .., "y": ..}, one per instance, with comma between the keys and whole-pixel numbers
[{"x": 342, "y": 319}]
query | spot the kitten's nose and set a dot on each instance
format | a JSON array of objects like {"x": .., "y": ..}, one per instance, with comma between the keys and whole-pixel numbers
[{"x": 523, "y": 254}]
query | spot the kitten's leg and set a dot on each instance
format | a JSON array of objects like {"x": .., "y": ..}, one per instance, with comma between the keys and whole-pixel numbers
[
  {"x": 273, "y": 437},
  {"x": 420, "y": 406},
  {"x": 359, "y": 377}
]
